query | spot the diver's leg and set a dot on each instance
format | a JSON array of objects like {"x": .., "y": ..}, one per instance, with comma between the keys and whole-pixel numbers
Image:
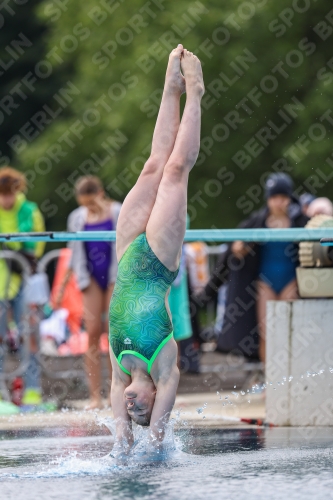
[
  {"x": 166, "y": 225},
  {"x": 139, "y": 202},
  {"x": 264, "y": 293}
]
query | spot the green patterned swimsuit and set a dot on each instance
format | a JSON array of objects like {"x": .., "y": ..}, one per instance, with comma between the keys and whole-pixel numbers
[{"x": 139, "y": 322}]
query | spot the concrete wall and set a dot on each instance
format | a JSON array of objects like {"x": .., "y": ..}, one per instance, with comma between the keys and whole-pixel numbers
[{"x": 299, "y": 346}]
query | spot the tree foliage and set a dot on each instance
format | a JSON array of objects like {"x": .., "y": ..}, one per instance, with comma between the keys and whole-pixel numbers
[
  {"x": 25, "y": 83},
  {"x": 268, "y": 75}
]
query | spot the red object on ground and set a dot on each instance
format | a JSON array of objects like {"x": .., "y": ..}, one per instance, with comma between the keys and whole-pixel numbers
[{"x": 17, "y": 390}]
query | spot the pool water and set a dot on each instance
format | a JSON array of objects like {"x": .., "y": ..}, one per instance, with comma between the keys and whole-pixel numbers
[{"x": 207, "y": 464}]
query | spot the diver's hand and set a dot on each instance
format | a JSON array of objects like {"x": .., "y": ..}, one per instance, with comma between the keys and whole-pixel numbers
[
  {"x": 120, "y": 451},
  {"x": 157, "y": 433}
]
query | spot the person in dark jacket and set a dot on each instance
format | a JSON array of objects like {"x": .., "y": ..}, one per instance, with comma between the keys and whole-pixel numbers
[{"x": 257, "y": 272}]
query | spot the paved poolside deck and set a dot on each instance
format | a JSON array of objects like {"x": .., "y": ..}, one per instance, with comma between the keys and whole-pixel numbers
[{"x": 214, "y": 415}]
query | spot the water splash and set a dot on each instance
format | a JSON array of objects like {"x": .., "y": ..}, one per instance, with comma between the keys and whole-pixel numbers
[
  {"x": 202, "y": 408},
  {"x": 69, "y": 465},
  {"x": 143, "y": 449},
  {"x": 259, "y": 388}
]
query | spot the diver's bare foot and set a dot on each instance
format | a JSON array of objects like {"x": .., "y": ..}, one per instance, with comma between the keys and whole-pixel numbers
[
  {"x": 191, "y": 68},
  {"x": 174, "y": 80},
  {"x": 95, "y": 404}
]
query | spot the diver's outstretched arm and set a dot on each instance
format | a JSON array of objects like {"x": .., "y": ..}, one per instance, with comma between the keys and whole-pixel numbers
[
  {"x": 164, "y": 402},
  {"x": 124, "y": 435},
  {"x": 165, "y": 375}
]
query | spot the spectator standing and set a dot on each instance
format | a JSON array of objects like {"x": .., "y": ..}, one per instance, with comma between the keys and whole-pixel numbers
[
  {"x": 94, "y": 264},
  {"x": 278, "y": 260},
  {"x": 17, "y": 215},
  {"x": 257, "y": 272}
]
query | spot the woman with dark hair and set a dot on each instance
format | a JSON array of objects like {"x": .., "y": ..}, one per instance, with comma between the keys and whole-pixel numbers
[
  {"x": 257, "y": 272},
  {"x": 94, "y": 264}
]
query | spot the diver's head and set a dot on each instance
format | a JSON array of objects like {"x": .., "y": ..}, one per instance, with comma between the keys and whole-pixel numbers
[{"x": 139, "y": 400}]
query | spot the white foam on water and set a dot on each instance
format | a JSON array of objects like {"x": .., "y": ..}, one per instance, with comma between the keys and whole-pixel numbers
[
  {"x": 76, "y": 466},
  {"x": 71, "y": 465}
]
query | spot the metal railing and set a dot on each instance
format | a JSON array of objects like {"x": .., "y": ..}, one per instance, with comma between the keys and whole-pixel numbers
[{"x": 208, "y": 235}]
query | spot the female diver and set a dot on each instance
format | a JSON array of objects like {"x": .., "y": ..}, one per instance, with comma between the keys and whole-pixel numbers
[{"x": 150, "y": 233}]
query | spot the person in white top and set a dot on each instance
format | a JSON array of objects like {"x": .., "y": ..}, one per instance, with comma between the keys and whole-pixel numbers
[{"x": 94, "y": 264}]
